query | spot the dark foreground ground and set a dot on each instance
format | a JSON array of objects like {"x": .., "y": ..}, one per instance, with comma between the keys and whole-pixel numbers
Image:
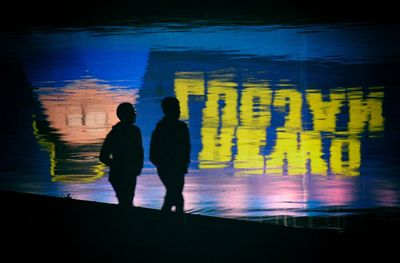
[{"x": 38, "y": 228}]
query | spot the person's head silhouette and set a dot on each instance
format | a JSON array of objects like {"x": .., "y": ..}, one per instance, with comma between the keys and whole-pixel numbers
[
  {"x": 170, "y": 107},
  {"x": 126, "y": 112}
]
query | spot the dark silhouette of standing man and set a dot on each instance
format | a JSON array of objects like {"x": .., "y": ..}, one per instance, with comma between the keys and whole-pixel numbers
[
  {"x": 170, "y": 153},
  {"x": 122, "y": 151}
]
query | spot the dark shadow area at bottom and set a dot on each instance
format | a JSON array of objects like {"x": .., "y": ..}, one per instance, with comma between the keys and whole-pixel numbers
[{"x": 36, "y": 228}]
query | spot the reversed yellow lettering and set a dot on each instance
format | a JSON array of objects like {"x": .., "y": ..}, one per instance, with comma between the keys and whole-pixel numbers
[
  {"x": 219, "y": 122},
  {"x": 187, "y": 84},
  {"x": 345, "y": 156},
  {"x": 324, "y": 112},
  {"x": 288, "y": 142},
  {"x": 255, "y": 117},
  {"x": 365, "y": 112}
]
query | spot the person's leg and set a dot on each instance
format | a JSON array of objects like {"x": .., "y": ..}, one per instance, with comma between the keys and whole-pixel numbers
[
  {"x": 167, "y": 205},
  {"x": 125, "y": 191},
  {"x": 168, "y": 199},
  {"x": 174, "y": 195},
  {"x": 117, "y": 189},
  {"x": 181, "y": 229},
  {"x": 178, "y": 194},
  {"x": 128, "y": 191}
]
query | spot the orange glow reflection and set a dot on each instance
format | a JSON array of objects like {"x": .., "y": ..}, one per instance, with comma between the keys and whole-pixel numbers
[
  {"x": 80, "y": 115},
  {"x": 85, "y": 110}
]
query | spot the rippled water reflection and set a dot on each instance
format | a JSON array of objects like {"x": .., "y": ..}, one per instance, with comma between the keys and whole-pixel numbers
[{"x": 284, "y": 121}]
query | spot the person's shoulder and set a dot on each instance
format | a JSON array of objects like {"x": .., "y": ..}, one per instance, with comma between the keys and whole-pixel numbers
[
  {"x": 112, "y": 133},
  {"x": 135, "y": 127},
  {"x": 160, "y": 124},
  {"x": 114, "y": 129},
  {"x": 182, "y": 124}
]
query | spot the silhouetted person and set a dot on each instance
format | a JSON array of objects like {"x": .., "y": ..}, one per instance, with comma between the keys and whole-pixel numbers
[
  {"x": 170, "y": 153},
  {"x": 122, "y": 151}
]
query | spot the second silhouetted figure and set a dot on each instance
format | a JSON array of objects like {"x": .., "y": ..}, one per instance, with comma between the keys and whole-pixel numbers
[{"x": 170, "y": 153}]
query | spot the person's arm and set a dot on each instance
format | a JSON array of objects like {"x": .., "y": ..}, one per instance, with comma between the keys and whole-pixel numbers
[
  {"x": 154, "y": 147},
  {"x": 105, "y": 152},
  {"x": 187, "y": 146},
  {"x": 140, "y": 151}
]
